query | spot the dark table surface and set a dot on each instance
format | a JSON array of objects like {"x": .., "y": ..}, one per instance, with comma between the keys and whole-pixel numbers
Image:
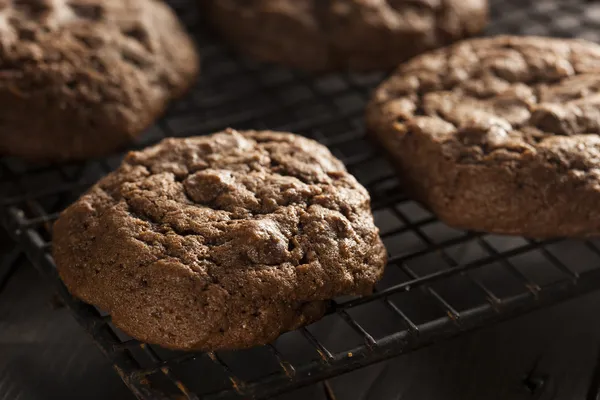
[{"x": 44, "y": 354}]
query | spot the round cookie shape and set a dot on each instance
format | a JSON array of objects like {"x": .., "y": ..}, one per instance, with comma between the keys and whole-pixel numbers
[
  {"x": 322, "y": 35},
  {"x": 82, "y": 78},
  {"x": 499, "y": 135},
  {"x": 220, "y": 242}
]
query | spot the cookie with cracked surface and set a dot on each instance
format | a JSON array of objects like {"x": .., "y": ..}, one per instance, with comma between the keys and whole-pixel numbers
[
  {"x": 220, "y": 242},
  {"x": 344, "y": 34},
  {"x": 499, "y": 135},
  {"x": 81, "y": 78}
]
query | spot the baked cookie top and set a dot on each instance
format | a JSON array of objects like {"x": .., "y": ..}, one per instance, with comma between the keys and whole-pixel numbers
[
  {"x": 95, "y": 73},
  {"x": 259, "y": 218},
  {"x": 339, "y": 34},
  {"x": 525, "y": 107}
]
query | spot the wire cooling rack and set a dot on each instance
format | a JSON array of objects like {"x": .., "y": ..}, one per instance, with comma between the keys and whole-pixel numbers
[{"x": 439, "y": 282}]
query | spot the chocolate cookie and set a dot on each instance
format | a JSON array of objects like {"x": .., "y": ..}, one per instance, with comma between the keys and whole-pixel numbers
[
  {"x": 81, "y": 78},
  {"x": 220, "y": 242},
  {"x": 499, "y": 135},
  {"x": 344, "y": 34}
]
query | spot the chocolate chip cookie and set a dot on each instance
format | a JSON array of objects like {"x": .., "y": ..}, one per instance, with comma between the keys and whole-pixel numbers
[
  {"x": 344, "y": 34},
  {"x": 499, "y": 135},
  {"x": 220, "y": 242},
  {"x": 82, "y": 78}
]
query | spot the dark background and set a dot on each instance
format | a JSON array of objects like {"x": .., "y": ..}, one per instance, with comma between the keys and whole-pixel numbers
[{"x": 546, "y": 355}]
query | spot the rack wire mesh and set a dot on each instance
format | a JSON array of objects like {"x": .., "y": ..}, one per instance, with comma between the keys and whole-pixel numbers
[{"x": 439, "y": 281}]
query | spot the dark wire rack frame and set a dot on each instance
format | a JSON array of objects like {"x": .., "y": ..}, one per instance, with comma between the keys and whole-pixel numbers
[{"x": 439, "y": 281}]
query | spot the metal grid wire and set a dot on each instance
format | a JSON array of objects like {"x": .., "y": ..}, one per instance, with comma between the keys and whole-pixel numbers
[{"x": 439, "y": 282}]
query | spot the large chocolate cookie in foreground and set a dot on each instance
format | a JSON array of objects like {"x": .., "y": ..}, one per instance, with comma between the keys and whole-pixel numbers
[{"x": 220, "y": 242}]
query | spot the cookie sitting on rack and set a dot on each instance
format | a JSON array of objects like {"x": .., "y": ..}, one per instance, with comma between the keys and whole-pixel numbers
[
  {"x": 220, "y": 242},
  {"x": 343, "y": 34},
  {"x": 498, "y": 135},
  {"x": 80, "y": 79}
]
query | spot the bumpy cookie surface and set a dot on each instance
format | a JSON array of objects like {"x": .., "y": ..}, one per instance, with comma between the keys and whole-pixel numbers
[
  {"x": 500, "y": 134},
  {"x": 341, "y": 34},
  {"x": 80, "y": 78},
  {"x": 221, "y": 241}
]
